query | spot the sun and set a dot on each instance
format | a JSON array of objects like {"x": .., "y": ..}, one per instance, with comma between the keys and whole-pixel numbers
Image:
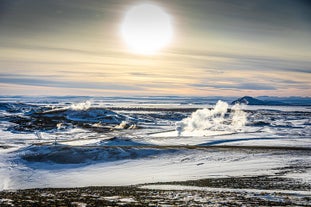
[{"x": 146, "y": 29}]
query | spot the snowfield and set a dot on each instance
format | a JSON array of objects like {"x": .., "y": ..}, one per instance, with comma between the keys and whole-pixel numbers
[{"x": 77, "y": 143}]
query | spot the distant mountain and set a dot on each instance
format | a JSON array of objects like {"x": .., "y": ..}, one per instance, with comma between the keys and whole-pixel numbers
[
  {"x": 247, "y": 100},
  {"x": 292, "y": 100}
]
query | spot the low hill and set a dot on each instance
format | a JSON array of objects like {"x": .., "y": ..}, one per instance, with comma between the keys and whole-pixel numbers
[{"x": 247, "y": 100}]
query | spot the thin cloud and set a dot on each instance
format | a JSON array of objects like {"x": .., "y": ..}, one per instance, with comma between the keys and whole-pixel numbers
[
  {"x": 241, "y": 86},
  {"x": 66, "y": 84}
]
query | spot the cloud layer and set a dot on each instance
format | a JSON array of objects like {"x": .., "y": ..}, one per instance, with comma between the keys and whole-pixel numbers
[{"x": 221, "y": 47}]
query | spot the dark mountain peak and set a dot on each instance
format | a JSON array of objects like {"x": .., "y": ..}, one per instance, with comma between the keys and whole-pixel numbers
[{"x": 249, "y": 101}]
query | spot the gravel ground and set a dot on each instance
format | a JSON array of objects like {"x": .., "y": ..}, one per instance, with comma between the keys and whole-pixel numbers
[{"x": 138, "y": 196}]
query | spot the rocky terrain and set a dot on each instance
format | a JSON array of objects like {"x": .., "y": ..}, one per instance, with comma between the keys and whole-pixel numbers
[{"x": 235, "y": 191}]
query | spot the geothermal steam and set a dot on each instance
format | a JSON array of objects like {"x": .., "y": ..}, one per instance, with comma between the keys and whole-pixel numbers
[
  {"x": 216, "y": 119},
  {"x": 81, "y": 106}
]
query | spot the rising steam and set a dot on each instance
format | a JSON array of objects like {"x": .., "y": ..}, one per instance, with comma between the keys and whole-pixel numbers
[
  {"x": 81, "y": 106},
  {"x": 216, "y": 119}
]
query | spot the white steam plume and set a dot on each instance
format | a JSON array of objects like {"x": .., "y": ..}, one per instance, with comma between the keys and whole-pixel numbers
[
  {"x": 81, "y": 106},
  {"x": 238, "y": 117},
  {"x": 214, "y": 119}
]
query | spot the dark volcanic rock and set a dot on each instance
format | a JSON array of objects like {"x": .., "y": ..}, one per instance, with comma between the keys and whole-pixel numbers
[{"x": 136, "y": 196}]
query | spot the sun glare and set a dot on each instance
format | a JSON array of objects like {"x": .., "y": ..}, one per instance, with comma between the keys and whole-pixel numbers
[{"x": 146, "y": 29}]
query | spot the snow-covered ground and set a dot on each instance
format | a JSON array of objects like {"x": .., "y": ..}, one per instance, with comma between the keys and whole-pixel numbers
[{"x": 75, "y": 143}]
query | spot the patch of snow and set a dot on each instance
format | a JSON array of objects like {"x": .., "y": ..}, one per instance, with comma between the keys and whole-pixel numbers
[
  {"x": 6, "y": 201},
  {"x": 257, "y": 191},
  {"x": 78, "y": 204}
]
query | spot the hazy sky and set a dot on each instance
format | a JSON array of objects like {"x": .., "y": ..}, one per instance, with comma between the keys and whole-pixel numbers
[{"x": 219, "y": 47}]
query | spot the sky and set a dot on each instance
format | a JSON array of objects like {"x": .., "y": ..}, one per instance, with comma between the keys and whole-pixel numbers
[{"x": 218, "y": 48}]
